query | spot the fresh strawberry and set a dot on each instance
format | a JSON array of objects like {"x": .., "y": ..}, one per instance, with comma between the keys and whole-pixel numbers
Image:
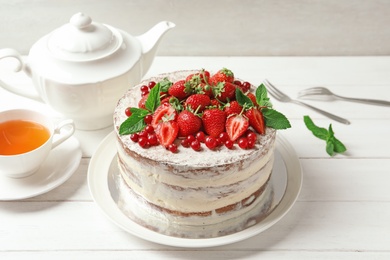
[
  {"x": 197, "y": 78},
  {"x": 256, "y": 119},
  {"x": 142, "y": 101},
  {"x": 232, "y": 108},
  {"x": 223, "y": 75},
  {"x": 236, "y": 126},
  {"x": 165, "y": 110},
  {"x": 166, "y": 132},
  {"x": 180, "y": 90},
  {"x": 253, "y": 98},
  {"x": 215, "y": 103},
  {"x": 165, "y": 99},
  {"x": 214, "y": 121},
  {"x": 197, "y": 102},
  {"x": 204, "y": 88},
  {"x": 225, "y": 91},
  {"x": 189, "y": 124}
]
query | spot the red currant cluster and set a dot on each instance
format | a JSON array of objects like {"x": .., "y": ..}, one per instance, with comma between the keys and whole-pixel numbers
[
  {"x": 146, "y": 88},
  {"x": 248, "y": 141}
]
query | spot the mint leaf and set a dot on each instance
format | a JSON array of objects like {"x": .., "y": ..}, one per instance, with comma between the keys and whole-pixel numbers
[
  {"x": 330, "y": 148},
  {"x": 153, "y": 100},
  {"x": 333, "y": 145},
  {"x": 243, "y": 99},
  {"x": 135, "y": 123},
  {"x": 262, "y": 96},
  {"x": 275, "y": 119},
  {"x": 339, "y": 147},
  {"x": 319, "y": 132},
  {"x": 165, "y": 84}
]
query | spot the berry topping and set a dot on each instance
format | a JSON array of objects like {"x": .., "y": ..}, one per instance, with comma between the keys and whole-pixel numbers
[
  {"x": 179, "y": 90},
  {"x": 165, "y": 110},
  {"x": 213, "y": 111},
  {"x": 214, "y": 121},
  {"x": 189, "y": 124},
  {"x": 197, "y": 102},
  {"x": 236, "y": 126},
  {"x": 256, "y": 120},
  {"x": 167, "y": 132},
  {"x": 223, "y": 75},
  {"x": 127, "y": 111}
]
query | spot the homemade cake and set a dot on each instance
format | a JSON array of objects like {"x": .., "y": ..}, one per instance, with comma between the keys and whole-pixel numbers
[{"x": 193, "y": 191}]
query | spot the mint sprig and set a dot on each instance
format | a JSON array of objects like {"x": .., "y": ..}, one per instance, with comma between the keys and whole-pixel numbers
[
  {"x": 262, "y": 97},
  {"x": 273, "y": 118},
  {"x": 136, "y": 123},
  {"x": 153, "y": 100},
  {"x": 333, "y": 145}
]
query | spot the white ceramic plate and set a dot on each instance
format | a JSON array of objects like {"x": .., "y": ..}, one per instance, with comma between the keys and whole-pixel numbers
[
  {"x": 61, "y": 163},
  {"x": 287, "y": 176}
]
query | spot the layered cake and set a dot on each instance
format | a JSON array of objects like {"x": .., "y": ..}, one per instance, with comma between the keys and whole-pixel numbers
[{"x": 182, "y": 172}]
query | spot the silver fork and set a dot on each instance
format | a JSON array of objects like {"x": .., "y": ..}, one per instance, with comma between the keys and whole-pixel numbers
[
  {"x": 324, "y": 93},
  {"x": 279, "y": 95}
]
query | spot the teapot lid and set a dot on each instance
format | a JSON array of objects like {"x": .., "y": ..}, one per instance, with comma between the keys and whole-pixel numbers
[{"x": 83, "y": 40}]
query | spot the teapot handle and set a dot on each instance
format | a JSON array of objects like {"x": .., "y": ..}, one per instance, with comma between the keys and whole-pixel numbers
[{"x": 11, "y": 53}]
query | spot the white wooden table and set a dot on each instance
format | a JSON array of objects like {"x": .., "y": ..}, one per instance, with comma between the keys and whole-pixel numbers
[{"x": 343, "y": 211}]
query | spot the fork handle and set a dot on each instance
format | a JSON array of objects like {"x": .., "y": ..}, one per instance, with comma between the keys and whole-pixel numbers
[
  {"x": 332, "y": 116},
  {"x": 366, "y": 101}
]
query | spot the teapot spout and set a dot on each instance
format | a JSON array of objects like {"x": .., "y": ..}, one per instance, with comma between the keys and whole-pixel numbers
[{"x": 150, "y": 41}]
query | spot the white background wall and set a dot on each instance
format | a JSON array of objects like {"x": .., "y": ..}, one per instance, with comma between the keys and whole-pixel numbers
[{"x": 218, "y": 27}]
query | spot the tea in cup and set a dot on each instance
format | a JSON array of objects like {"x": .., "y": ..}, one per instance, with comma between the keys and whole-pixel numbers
[{"x": 26, "y": 139}]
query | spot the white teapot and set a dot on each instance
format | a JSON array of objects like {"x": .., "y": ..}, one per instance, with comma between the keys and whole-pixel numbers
[{"x": 82, "y": 68}]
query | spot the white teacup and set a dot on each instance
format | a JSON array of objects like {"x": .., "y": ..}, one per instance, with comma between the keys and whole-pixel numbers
[{"x": 28, "y": 162}]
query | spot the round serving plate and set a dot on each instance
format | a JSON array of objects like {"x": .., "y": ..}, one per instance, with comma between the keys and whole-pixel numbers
[{"x": 286, "y": 180}]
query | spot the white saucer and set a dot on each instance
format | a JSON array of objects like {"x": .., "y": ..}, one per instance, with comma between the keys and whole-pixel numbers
[
  {"x": 287, "y": 181},
  {"x": 57, "y": 168}
]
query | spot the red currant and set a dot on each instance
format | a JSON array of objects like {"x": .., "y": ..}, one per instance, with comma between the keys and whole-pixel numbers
[
  {"x": 237, "y": 82},
  {"x": 172, "y": 148},
  {"x": 144, "y": 88},
  {"x": 190, "y": 138},
  {"x": 143, "y": 141},
  {"x": 143, "y": 133},
  {"x": 195, "y": 145},
  {"x": 223, "y": 137},
  {"x": 148, "y": 119},
  {"x": 251, "y": 137},
  {"x": 200, "y": 136},
  {"x": 127, "y": 111},
  {"x": 185, "y": 143},
  {"x": 245, "y": 86},
  {"x": 211, "y": 142},
  {"x": 149, "y": 129},
  {"x": 144, "y": 93},
  {"x": 243, "y": 142},
  {"x": 251, "y": 144},
  {"x": 229, "y": 144},
  {"x": 134, "y": 137},
  {"x": 152, "y": 139},
  {"x": 151, "y": 84}
]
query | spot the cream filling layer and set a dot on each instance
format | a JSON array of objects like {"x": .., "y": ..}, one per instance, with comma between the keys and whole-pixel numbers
[
  {"x": 158, "y": 174},
  {"x": 167, "y": 221},
  {"x": 197, "y": 199}
]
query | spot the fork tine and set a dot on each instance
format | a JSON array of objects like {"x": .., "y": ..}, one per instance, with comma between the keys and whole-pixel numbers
[{"x": 274, "y": 91}]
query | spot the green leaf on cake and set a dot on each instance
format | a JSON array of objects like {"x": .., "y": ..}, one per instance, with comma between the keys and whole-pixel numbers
[
  {"x": 153, "y": 100},
  {"x": 134, "y": 123},
  {"x": 262, "y": 97},
  {"x": 275, "y": 119},
  {"x": 243, "y": 99}
]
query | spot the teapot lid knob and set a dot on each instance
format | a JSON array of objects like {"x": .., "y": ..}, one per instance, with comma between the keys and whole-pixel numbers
[
  {"x": 80, "y": 20},
  {"x": 83, "y": 40}
]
